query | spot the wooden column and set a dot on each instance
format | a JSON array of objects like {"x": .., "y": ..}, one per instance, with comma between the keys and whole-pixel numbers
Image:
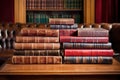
[
  {"x": 89, "y": 11},
  {"x": 20, "y": 11}
]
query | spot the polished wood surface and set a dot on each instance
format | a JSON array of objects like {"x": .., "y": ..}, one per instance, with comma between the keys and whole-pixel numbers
[{"x": 61, "y": 69}]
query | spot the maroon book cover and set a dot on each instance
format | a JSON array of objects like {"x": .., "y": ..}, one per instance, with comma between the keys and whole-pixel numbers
[
  {"x": 84, "y": 39},
  {"x": 88, "y": 52},
  {"x": 68, "y": 32}
]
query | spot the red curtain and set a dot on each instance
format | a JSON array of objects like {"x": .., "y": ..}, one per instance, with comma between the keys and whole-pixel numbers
[
  {"x": 6, "y": 11},
  {"x": 106, "y": 11}
]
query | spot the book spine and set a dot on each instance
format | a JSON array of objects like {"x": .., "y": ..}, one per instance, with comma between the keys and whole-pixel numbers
[
  {"x": 39, "y": 32},
  {"x": 44, "y": 4},
  {"x": 74, "y": 26},
  {"x": 87, "y": 45},
  {"x": 44, "y": 46},
  {"x": 25, "y": 39},
  {"x": 31, "y": 2},
  {"x": 61, "y": 21},
  {"x": 68, "y": 32},
  {"x": 37, "y": 53},
  {"x": 27, "y": 4},
  {"x": 88, "y": 52},
  {"x": 88, "y": 60},
  {"x": 37, "y": 60},
  {"x": 92, "y": 32},
  {"x": 84, "y": 39}
]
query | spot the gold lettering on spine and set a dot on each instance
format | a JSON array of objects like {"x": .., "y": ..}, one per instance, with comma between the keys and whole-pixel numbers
[
  {"x": 44, "y": 45},
  {"x": 25, "y": 53},
  {"x": 38, "y": 59},
  {"x": 53, "y": 46},
  {"x": 37, "y": 31},
  {"x": 28, "y": 32},
  {"x": 23, "y": 59},
  {"x": 33, "y": 46},
  {"x": 77, "y": 59},
  {"x": 39, "y": 52},
  {"x": 48, "y": 40},
  {"x": 22, "y": 46},
  {"x": 100, "y": 59},
  {"x": 46, "y": 31},
  {"x": 30, "y": 59},
  {"x": 54, "y": 60},
  {"x": 46, "y": 57}
]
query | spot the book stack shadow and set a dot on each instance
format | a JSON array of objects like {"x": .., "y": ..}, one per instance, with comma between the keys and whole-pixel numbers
[
  {"x": 90, "y": 46},
  {"x": 37, "y": 46}
]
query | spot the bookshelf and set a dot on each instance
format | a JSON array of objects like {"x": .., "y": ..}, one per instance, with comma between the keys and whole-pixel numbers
[{"x": 86, "y": 12}]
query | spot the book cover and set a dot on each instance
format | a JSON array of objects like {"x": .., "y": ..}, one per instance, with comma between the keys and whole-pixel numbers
[
  {"x": 88, "y": 60},
  {"x": 88, "y": 52}
]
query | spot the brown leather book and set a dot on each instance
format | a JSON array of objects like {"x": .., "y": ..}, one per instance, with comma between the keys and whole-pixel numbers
[
  {"x": 61, "y": 21},
  {"x": 39, "y": 32},
  {"x": 36, "y": 46},
  {"x": 37, "y": 60},
  {"x": 36, "y": 39}
]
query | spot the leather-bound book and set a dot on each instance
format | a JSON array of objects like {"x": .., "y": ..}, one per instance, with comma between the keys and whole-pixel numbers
[
  {"x": 37, "y": 53},
  {"x": 93, "y": 32},
  {"x": 88, "y": 52},
  {"x": 36, "y": 46},
  {"x": 88, "y": 60},
  {"x": 36, "y": 39},
  {"x": 84, "y": 39},
  {"x": 87, "y": 45},
  {"x": 39, "y": 32},
  {"x": 37, "y": 60}
]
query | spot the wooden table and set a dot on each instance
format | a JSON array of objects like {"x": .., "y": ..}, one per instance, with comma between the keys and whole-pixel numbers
[{"x": 10, "y": 71}]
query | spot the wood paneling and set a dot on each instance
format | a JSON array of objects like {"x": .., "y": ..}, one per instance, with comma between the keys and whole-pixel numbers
[
  {"x": 20, "y": 11},
  {"x": 89, "y": 11}
]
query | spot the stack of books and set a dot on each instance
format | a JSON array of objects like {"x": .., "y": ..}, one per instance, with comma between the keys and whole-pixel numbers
[
  {"x": 37, "y": 46},
  {"x": 91, "y": 45}
]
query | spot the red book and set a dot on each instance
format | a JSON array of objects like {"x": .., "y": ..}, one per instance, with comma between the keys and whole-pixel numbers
[
  {"x": 84, "y": 39},
  {"x": 39, "y": 32},
  {"x": 88, "y": 52}
]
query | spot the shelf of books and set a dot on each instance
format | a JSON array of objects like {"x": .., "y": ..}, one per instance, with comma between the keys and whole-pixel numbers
[{"x": 39, "y": 11}]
